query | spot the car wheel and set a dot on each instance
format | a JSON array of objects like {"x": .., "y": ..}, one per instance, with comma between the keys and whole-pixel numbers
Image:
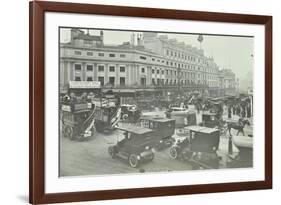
[
  {"x": 68, "y": 132},
  {"x": 133, "y": 160},
  {"x": 125, "y": 116},
  {"x": 174, "y": 153}
]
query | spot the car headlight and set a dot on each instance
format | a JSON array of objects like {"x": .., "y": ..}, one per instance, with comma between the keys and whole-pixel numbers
[
  {"x": 161, "y": 141},
  {"x": 147, "y": 147},
  {"x": 138, "y": 157}
]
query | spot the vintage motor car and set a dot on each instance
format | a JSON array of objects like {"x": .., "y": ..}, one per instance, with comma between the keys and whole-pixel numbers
[
  {"x": 77, "y": 120},
  {"x": 163, "y": 128},
  {"x": 182, "y": 116},
  {"x": 136, "y": 147},
  {"x": 199, "y": 148}
]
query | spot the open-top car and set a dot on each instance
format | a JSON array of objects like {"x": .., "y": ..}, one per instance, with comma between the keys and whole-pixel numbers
[
  {"x": 135, "y": 147},
  {"x": 163, "y": 128},
  {"x": 199, "y": 147}
]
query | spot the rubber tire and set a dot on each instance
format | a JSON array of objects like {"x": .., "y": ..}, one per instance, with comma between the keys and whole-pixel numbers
[
  {"x": 174, "y": 153},
  {"x": 133, "y": 161}
]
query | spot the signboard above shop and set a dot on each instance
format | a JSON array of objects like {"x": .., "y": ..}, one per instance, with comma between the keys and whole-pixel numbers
[{"x": 84, "y": 84}]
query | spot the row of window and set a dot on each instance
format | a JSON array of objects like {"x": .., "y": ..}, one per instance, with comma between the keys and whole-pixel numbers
[
  {"x": 89, "y": 68},
  {"x": 184, "y": 56},
  {"x": 78, "y": 67},
  {"x": 122, "y": 69},
  {"x": 180, "y": 55},
  {"x": 122, "y": 81},
  {"x": 100, "y": 54},
  {"x": 175, "y": 64},
  {"x": 173, "y": 82},
  {"x": 111, "y": 80}
]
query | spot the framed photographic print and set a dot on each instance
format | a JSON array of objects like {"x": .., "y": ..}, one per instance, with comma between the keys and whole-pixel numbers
[{"x": 139, "y": 102}]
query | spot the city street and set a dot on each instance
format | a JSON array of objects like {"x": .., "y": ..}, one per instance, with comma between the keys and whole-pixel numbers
[{"x": 91, "y": 157}]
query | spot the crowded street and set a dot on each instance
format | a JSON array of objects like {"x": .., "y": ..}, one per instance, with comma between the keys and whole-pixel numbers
[{"x": 90, "y": 157}]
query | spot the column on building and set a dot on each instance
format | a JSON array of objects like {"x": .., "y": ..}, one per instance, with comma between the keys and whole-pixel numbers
[
  {"x": 95, "y": 72},
  {"x": 71, "y": 70},
  {"x": 117, "y": 77},
  {"x": 83, "y": 71},
  {"x": 106, "y": 80},
  {"x": 149, "y": 75}
]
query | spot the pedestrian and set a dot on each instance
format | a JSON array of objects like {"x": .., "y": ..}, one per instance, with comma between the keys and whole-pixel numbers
[
  {"x": 198, "y": 108},
  {"x": 243, "y": 112},
  {"x": 238, "y": 110},
  {"x": 229, "y": 112},
  {"x": 249, "y": 114}
]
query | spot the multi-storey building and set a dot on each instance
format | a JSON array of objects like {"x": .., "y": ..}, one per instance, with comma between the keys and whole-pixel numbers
[
  {"x": 155, "y": 63},
  {"x": 227, "y": 82}
]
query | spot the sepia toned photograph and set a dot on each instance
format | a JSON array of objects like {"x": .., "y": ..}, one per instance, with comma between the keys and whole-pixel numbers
[{"x": 154, "y": 102}]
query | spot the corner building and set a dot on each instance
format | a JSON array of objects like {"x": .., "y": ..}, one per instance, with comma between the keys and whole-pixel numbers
[{"x": 148, "y": 63}]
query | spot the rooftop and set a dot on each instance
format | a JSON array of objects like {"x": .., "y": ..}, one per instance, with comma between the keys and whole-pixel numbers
[
  {"x": 134, "y": 129},
  {"x": 201, "y": 129}
]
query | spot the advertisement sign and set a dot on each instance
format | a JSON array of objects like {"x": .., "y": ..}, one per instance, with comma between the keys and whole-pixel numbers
[{"x": 84, "y": 84}]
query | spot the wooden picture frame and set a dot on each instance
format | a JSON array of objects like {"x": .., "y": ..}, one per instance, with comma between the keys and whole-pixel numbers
[{"x": 37, "y": 10}]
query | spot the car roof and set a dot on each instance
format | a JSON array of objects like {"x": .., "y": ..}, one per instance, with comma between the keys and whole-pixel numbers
[
  {"x": 201, "y": 129},
  {"x": 156, "y": 119},
  {"x": 128, "y": 105},
  {"x": 134, "y": 129},
  {"x": 208, "y": 113}
]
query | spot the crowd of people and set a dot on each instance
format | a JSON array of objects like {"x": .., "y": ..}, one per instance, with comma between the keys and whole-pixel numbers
[{"x": 242, "y": 109}]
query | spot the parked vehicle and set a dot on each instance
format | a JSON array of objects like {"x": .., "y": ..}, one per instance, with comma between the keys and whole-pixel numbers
[
  {"x": 135, "y": 147},
  {"x": 198, "y": 148},
  {"x": 182, "y": 116},
  {"x": 210, "y": 119},
  {"x": 77, "y": 120},
  {"x": 106, "y": 118},
  {"x": 107, "y": 113},
  {"x": 163, "y": 128}
]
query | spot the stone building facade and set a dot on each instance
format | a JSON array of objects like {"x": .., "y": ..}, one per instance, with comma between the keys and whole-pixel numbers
[{"x": 148, "y": 63}]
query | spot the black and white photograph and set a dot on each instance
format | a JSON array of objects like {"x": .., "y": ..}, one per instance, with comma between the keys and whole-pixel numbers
[{"x": 133, "y": 101}]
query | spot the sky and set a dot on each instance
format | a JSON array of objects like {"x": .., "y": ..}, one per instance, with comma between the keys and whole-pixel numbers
[{"x": 230, "y": 52}]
